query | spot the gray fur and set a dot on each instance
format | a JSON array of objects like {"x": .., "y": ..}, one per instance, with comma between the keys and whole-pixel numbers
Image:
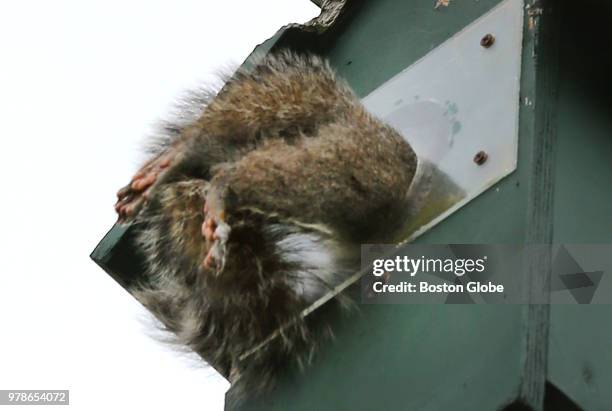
[{"x": 303, "y": 175}]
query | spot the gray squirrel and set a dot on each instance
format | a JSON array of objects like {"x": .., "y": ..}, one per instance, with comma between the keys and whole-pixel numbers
[{"x": 256, "y": 207}]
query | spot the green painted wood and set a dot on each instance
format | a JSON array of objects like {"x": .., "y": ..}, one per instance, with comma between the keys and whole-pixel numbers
[
  {"x": 408, "y": 358},
  {"x": 424, "y": 357},
  {"x": 117, "y": 257},
  {"x": 385, "y": 36},
  {"x": 536, "y": 272},
  {"x": 580, "y": 359}
]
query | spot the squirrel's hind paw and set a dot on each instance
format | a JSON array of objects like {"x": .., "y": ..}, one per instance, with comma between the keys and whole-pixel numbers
[{"x": 216, "y": 232}]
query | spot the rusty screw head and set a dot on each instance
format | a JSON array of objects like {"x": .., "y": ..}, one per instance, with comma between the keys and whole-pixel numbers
[
  {"x": 480, "y": 158},
  {"x": 487, "y": 41}
]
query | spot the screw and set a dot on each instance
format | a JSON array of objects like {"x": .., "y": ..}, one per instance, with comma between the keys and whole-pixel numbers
[
  {"x": 487, "y": 41},
  {"x": 480, "y": 158}
]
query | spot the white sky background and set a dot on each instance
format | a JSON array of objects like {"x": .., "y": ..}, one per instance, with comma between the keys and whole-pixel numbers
[{"x": 81, "y": 85}]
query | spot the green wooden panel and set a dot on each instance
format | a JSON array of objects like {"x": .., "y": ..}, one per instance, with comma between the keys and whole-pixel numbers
[
  {"x": 580, "y": 358},
  {"x": 580, "y": 355},
  {"x": 423, "y": 357},
  {"x": 409, "y": 358},
  {"x": 386, "y": 36},
  {"x": 117, "y": 257}
]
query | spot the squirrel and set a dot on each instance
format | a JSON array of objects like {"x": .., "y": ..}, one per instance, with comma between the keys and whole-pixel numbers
[{"x": 256, "y": 206}]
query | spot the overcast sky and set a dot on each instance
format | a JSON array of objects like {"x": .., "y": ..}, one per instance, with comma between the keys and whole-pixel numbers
[{"x": 81, "y": 84}]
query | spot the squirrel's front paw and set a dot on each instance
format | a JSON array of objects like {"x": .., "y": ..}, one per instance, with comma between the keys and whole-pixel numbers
[{"x": 131, "y": 197}]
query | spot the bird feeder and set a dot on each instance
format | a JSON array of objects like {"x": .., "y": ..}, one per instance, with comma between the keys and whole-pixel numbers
[{"x": 510, "y": 101}]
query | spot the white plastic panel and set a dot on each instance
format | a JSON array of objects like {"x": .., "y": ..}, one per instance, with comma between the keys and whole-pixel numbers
[{"x": 460, "y": 99}]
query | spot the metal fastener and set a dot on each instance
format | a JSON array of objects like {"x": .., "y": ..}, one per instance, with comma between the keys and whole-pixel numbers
[
  {"x": 487, "y": 41},
  {"x": 480, "y": 158}
]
